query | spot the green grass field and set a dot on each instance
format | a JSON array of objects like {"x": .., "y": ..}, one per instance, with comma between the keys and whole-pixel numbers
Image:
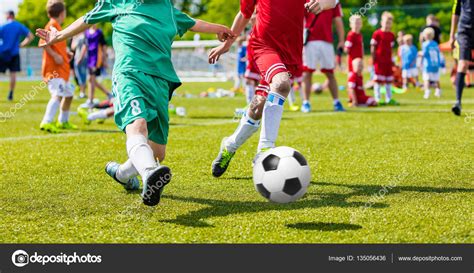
[{"x": 384, "y": 175}]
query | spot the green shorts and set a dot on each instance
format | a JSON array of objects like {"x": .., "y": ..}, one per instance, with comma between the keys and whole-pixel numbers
[{"x": 139, "y": 95}]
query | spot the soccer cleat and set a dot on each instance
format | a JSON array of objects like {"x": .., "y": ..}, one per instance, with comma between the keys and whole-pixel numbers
[
  {"x": 222, "y": 161},
  {"x": 294, "y": 108},
  {"x": 83, "y": 114},
  {"x": 456, "y": 109},
  {"x": 259, "y": 153},
  {"x": 111, "y": 169},
  {"x": 49, "y": 127},
  {"x": 306, "y": 107},
  {"x": 393, "y": 102},
  {"x": 154, "y": 183},
  {"x": 338, "y": 107},
  {"x": 66, "y": 125},
  {"x": 10, "y": 95}
]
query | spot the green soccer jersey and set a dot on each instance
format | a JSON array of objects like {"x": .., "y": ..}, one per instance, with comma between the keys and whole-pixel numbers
[{"x": 143, "y": 31}]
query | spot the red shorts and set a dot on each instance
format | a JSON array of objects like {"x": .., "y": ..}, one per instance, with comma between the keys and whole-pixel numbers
[
  {"x": 363, "y": 99},
  {"x": 252, "y": 72},
  {"x": 383, "y": 72},
  {"x": 269, "y": 63}
]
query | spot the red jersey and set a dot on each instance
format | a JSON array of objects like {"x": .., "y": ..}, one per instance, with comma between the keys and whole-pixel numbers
[
  {"x": 322, "y": 28},
  {"x": 356, "y": 82},
  {"x": 279, "y": 27},
  {"x": 383, "y": 42},
  {"x": 355, "y": 45}
]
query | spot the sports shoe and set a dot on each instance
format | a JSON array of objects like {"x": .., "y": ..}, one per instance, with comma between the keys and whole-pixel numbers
[
  {"x": 111, "y": 169},
  {"x": 393, "y": 102},
  {"x": 294, "y": 108},
  {"x": 154, "y": 183},
  {"x": 10, "y": 95},
  {"x": 306, "y": 107},
  {"x": 83, "y": 114},
  {"x": 222, "y": 161},
  {"x": 338, "y": 107},
  {"x": 259, "y": 153},
  {"x": 87, "y": 104},
  {"x": 456, "y": 109},
  {"x": 66, "y": 125},
  {"x": 49, "y": 127}
]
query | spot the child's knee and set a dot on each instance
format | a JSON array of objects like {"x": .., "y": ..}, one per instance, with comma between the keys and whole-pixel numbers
[
  {"x": 256, "y": 107},
  {"x": 281, "y": 84}
]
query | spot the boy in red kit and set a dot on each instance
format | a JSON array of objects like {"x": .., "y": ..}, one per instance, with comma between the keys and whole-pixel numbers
[
  {"x": 276, "y": 44},
  {"x": 354, "y": 45},
  {"x": 383, "y": 40},
  {"x": 357, "y": 96}
]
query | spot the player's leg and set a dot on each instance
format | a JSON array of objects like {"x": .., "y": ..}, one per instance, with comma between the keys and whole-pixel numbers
[
  {"x": 90, "y": 100},
  {"x": 327, "y": 59},
  {"x": 306, "y": 86},
  {"x": 12, "y": 85},
  {"x": 310, "y": 59},
  {"x": 272, "y": 113},
  {"x": 248, "y": 125},
  {"x": 426, "y": 85},
  {"x": 56, "y": 89},
  {"x": 379, "y": 79},
  {"x": 64, "y": 113},
  {"x": 466, "y": 45}
]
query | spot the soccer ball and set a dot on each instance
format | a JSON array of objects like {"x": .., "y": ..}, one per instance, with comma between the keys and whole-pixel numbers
[
  {"x": 281, "y": 175},
  {"x": 317, "y": 88}
]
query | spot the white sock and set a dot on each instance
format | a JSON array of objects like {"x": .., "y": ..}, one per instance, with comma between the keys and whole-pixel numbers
[
  {"x": 51, "y": 109},
  {"x": 388, "y": 92},
  {"x": 249, "y": 92},
  {"x": 272, "y": 114},
  {"x": 247, "y": 127},
  {"x": 377, "y": 92},
  {"x": 63, "y": 116},
  {"x": 237, "y": 82},
  {"x": 438, "y": 92},
  {"x": 126, "y": 171},
  {"x": 141, "y": 154},
  {"x": 102, "y": 114},
  {"x": 427, "y": 93}
]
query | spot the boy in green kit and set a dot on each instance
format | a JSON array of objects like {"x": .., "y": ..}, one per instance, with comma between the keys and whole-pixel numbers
[{"x": 143, "y": 81}]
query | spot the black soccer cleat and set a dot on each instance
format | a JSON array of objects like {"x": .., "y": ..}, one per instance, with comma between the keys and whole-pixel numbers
[
  {"x": 222, "y": 161},
  {"x": 154, "y": 184},
  {"x": 456, "y": 109}
]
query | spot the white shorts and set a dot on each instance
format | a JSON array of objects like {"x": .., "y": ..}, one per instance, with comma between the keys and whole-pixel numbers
[
  {"x": 319, "y": 54},
  {"x": 432, "y": 77},
  {"x": 410, "y": 73},
  {"x": 59, "y": 87}
]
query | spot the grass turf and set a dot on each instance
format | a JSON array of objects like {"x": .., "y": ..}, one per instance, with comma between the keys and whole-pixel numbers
[{"x": 383, "y": 175}]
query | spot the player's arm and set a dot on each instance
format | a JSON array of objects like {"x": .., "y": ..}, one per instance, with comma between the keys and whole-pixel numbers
[
  {"x": 373, "y": 47},
  {"x": 53, "y": 36},
  {"x": 340, "y": 32},
  {"x": 240, "y": 22},
  {"x": 454, "y": 22},
  {"x": 352, "y": 92},
  {"x": 223, "y": 32},
  {"x": 58, "y": 59},
  {"x": 28, "y": 39}
]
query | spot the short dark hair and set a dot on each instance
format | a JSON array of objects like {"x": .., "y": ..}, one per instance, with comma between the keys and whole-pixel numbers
[
  {"x": 55, "y": 9},
  {"x": 11, "y": 13}
]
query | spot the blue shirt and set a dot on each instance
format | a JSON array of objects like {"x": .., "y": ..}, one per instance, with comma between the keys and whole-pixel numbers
[
  {"x": 10, "y": 35},
  {"x": 409, "y": 54},
  {"x": 241, "y": 54},
  {"x": 431, "y": 57}
]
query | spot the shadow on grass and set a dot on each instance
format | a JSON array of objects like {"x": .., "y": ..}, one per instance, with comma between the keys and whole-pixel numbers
[
  {"x": 324, "y": 226},
  {"x": 222, "y": 208}
]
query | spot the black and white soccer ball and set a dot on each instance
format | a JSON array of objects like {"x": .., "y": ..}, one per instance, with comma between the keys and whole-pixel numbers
[{"x": 281, "y": 175}]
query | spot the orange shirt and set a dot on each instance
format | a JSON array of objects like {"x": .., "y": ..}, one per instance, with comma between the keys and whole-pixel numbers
[{"x": 50, "y": 69}]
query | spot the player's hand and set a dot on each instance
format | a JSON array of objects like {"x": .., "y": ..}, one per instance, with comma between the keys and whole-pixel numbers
[
  {"x": 216, "y": 53},
  {"x": 58, "y": 59},
  {"x": 225, "y": 34},
  {"x": 49, "y": 36},
  {"x": 452, "y": 43},
  {"x": 340, "y": 46},
  {"x": 313, "y": 6}
]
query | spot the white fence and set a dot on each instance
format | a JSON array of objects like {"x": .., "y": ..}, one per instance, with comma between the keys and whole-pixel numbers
[{"x": 189, "y": 59}]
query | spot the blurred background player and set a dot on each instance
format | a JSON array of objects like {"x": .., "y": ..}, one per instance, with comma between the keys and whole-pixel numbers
[
  {"x": 277, "y": 57},
  {"x": 357, "y": 96},
  {"x": 11, "y": 33},
  {"x": 241, "y": 65},
  {"x": 96, "y": 60},
  {"x": 319, "y": 52},
  {"x": 56, "y": 72},
  {"x": 383, "y": 40},
  {"x": 99, "y": 112},
  {"x": 79, "y": 47},
  {"x": 354, "y": 45},
  {"x": 431, "y": 63},
  {"x": 432, "y": 22},
  {"x": 409, "y": 55},
  {"x": 462, "y": 22}
]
